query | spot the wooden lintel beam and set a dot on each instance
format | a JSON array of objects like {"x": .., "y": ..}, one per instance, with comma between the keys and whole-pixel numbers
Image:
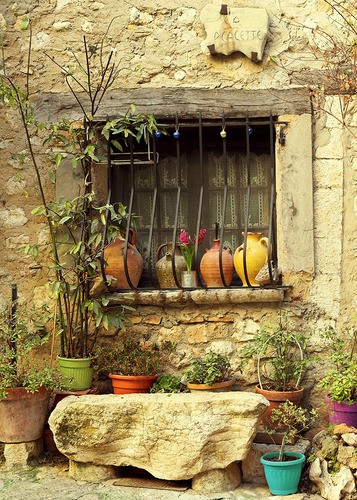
[{"x": 187, "y": 102}]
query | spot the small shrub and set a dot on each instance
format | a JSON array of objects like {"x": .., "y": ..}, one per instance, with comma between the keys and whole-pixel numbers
[{"x": 210, "y": 369}]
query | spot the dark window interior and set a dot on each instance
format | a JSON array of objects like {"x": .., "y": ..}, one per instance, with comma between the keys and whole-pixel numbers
[{"x": 246, "y": 159}]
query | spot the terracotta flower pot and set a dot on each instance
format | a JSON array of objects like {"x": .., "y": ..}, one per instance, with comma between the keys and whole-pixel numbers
[
  {"x": 23, "y": 415},
  {"x": 217, "y": 387},
  {"x": 275, "y": 399},
  {"x": 126, "y": 384}
]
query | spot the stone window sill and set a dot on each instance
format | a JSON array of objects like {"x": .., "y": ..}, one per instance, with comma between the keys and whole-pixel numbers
[{"x": 200, "y": 296}]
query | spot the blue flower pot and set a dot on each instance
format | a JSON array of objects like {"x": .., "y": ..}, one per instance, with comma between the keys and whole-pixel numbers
[{"x": 283, "y": 477}]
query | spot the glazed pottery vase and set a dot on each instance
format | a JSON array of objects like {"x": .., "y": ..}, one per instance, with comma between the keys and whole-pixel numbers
[
  {"x": 163, "y": 266},
  {"x": 341, "y": 413},
  {"x": 256, "y": 257},
  {"x": 23, "y": 415},
  {"x": 276, "y": 398},
  {"x": 210, "y": 268},
  {"x": 127, "y": 384},
  {"x": 189, "y": 279},
  {"x": 217, "y": 387},
  {"x": 283, "y": 477},
  {"x": 114, "y": 255},
  {"x": 78, "y": 372}
]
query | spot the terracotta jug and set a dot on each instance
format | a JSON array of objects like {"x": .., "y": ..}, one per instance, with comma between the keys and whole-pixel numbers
[
  {"x": 164, "y": 266},
  {"x": 114, "y": 257},
  {"x": 256, "y": 257},
  {"x": 210, "y": 268}
]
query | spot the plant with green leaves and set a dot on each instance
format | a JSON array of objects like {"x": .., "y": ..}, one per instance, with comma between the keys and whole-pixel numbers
[
  {"x": 134, "y": 355},
  {"x": 209, "y": 369},
  {"x": 294, "y": 420},
  {"x": 281, "y": 357},
  {"x": 128, "y": 126},
  {"x": 82, "y": 313},
  {"x": 340, "y": 381},
  {"x": 168, "y": 383},
  {"x": 20, "y": 335},
  {"x": 79, "y": 228}
]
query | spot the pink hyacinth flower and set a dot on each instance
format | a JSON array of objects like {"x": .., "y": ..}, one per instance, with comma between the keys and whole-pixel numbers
[
  {"x": 184, "y": 238},
  {"x": 201, "y": 235}
]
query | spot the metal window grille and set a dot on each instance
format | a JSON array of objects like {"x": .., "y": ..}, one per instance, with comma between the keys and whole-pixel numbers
[{"x": 200, "y": 173}]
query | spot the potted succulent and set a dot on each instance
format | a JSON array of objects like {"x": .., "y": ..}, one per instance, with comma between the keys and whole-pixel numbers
[
  {"x": 211, "y": 372},
  {"x": 340, "y": 381},
  {"x": 281, "y": 361},
  {"x": 134, "y": 363},
  {"x": 282, "y": 468},
  {"x": 25, "y": 386},
  {"x": 79, "y": 228}
]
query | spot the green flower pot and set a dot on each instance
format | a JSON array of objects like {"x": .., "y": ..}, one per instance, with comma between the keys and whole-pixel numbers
[
  {"x": 78, "y": 372},
  {"x": 283, "y": 477}
]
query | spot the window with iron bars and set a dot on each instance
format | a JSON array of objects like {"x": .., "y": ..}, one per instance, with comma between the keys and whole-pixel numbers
[{"x": 200, "y": 174}]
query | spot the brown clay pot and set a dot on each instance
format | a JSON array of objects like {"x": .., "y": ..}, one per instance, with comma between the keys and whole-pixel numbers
[
  {"x": 163, "y": 266},
  {"x": 127, "y": 384},
  {"x": 114, "y": 257},
  {"x": 49, "y": 443},
  {"x": 217, "y": 387},
  {"x": 275, "y": 399},
  {"x": 23, "y": 415},
  {"x": 210, "y": 268}
]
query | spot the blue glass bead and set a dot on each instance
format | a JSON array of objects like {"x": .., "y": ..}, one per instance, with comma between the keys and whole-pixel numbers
[
  {"x": 176, "y": 134},
  {"x": 250, "y": 130},
  {"x": 157, "y": 134}
]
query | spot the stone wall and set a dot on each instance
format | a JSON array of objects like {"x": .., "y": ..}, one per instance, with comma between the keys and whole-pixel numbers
[{"x": 158, "y": 45}]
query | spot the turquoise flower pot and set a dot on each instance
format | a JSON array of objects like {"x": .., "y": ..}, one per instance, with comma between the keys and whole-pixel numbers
[{"x": 283, "y": 477}]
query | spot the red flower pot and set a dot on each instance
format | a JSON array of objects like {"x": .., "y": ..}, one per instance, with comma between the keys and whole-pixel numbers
[{"x": 126, "y": 384}]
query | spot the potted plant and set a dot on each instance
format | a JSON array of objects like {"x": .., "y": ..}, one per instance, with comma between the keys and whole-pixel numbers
[
  {"x": 282, "y": 468},
  {"x": 168, "y": 383},
  {"x": 188, "y": 248},
  {"x": 211, "y": 372},
  {"x": 280, "y": 355},
  {"x": 134, "y": 363},
  {"x": 340, "y": 381},
  {"x": 25, "y": 386},
  {"x": 77, "y": 243},
  {"x": 79, "y": 229}
]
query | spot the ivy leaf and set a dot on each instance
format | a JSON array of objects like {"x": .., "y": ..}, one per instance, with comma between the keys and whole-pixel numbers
[{"x": 24, "y": 23}]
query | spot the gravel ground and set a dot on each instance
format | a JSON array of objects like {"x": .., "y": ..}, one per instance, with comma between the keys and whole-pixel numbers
[{"x": 47, "y": 479}]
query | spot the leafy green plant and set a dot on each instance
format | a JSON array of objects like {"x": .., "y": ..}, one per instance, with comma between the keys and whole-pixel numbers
[
  {"x": 209, "y": 369},
  {"x": 78, "y": 228},
  {"x": 168, "y": 383},
  {"x": 294, "y": 419},
  {"x": 20, "y": 336},
  {"x": 79, "y": 242},
  {"x": 130, "y": 125},
  {"x": 134, "y": 355},
  {"x": 281, "y": 357},
  {"x": 340, "y": 382}
]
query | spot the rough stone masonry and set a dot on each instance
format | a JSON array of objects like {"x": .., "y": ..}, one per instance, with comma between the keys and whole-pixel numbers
[{"x": 172, "y": 436}]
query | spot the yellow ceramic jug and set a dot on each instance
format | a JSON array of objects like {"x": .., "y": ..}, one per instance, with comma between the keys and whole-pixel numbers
[{"x": 256, "y": 257}]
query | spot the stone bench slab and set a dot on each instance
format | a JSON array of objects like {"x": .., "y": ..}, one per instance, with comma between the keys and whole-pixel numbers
[{"x": 172, "y": 436}]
